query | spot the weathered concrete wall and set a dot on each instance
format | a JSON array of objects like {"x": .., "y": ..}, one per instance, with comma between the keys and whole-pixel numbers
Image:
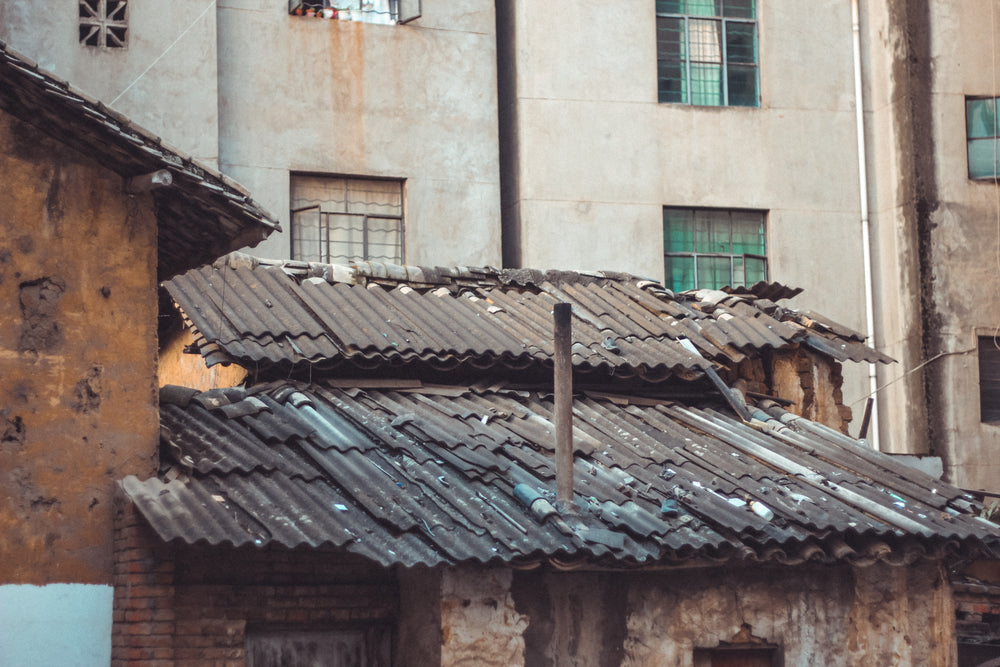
[
  {"x": 77, "y": 356},
  {"x": 479, "y": 623},
  {"x": 165, "y": 79},
  {"x": 416, "y": 102},
  {"x": 964, "y": 240},
  {"x": 817, "y": 615},
  {"x": 597, "y": 156},
  {"x": 935, "y": 230}
]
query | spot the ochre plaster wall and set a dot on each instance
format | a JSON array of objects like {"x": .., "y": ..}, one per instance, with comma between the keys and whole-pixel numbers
[
  {"x": 879, "y": 615},
  {"x": 78, "y": 405},
  {"x": 189, "y": 370}
]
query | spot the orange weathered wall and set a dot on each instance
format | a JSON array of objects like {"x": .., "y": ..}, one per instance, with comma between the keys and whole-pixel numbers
[
  {"x": 78, "y": 406},
  {"x": 189, "y": 370}
]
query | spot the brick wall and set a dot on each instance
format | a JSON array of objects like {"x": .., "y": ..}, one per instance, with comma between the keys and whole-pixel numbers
[
  {"x": 144, "y": 616},
  {"x": 194, "y": 605}
]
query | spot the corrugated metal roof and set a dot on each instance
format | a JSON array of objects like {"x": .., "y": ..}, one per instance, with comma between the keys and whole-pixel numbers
[
  {"x": 266, "y": 315},
  {"x": 428, "y": 475},
  {"x": 201, "y": 216}
]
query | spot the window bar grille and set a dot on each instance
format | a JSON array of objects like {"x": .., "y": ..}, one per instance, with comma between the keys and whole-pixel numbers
[
  {"x": 687, "y": 71},
  {"x": 724, "y": 70}
]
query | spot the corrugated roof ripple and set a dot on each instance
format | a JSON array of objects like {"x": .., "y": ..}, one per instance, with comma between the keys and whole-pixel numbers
[
  {"x": 428, "y": 476},
  {"x": 262, "y": 315}
]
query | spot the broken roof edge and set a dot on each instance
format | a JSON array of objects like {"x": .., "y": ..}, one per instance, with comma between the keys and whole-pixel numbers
[
  {"x": 859, "y": 550},
  {"x": 27, "y": 85}
]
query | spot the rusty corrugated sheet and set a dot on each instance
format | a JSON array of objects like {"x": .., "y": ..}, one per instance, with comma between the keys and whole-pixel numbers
[
  {"x": 427, "y": 475},
  {"x": 201, "y": 216},
  {"x": 273, "y": 315}
]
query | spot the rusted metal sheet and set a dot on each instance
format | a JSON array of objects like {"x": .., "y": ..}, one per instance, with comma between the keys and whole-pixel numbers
[
  {"x": 201, "y": 216},
  {"x": 271, "y": 317},
  {"x": 410, "y": 477}
]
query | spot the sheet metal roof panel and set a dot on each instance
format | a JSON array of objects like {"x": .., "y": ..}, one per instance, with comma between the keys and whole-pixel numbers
[{"x": 455, "y": 502}]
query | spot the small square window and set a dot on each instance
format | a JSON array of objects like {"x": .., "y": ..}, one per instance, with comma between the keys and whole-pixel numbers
[
  {"x": 337, "y": 220},
  {"x": 989, "y": 379},
  {"x": 706, "y": 52},
  {"x": 104, "y": 23},
  {"x": 713, "y": 248},
  {"x": 983, "y": 137}
]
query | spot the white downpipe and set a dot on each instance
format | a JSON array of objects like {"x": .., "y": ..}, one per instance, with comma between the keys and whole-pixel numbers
[{"x": 865, "y": 236}]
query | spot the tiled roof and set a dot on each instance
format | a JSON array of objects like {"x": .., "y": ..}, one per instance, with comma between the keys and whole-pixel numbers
[
  {"x": 422, "y": 474},
  {"x": 201, "y": 216},
  {"x": 275, "y": 316}
]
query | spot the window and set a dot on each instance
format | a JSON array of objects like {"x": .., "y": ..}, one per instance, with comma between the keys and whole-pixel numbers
[
  {"x": 989, "y": 379},
  {"x": 982, "y": 134},
  {"x": 365, "y": 11},
  {"x": 713, "y": 248},
  {"x": 337, "y": 220},
  {"x": 706, "y": 52},
  {"x": 362, "y": 646},
  {"x": 736, "y": 656},
  {"x": 104, "y": 23}
]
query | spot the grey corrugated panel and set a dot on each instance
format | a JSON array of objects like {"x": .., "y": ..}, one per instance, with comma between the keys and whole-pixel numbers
[
  {"x": 188, "y": 512},
  {"x": 430, "y": 494}
]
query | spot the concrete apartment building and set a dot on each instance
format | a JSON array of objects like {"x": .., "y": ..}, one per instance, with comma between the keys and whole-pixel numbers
[{"x": 616, "y": 131}]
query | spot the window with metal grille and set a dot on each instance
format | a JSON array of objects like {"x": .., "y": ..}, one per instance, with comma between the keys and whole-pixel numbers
[
  {"x": 338, "y": 219},
  {"x": 104, "y": 23},
  {"x": 713, "y": 248},
  {"x": 706, "y": 52},
  {"x": 365, "y": 11},
  {"x": 983, "y": 135},
  {"x": 989, "y": 379}
]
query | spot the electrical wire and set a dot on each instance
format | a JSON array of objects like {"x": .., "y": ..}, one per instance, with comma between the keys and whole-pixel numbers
[{"x": 160, "y": 57}]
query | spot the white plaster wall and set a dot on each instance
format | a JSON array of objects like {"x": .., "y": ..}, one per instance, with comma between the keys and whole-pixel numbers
[
  {"x": 55, "y": 625},
  {"x": 165, "y": 80},
  {"x": 416, "y": 102}
]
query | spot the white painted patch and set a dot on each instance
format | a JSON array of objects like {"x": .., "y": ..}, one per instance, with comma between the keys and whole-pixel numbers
[{"x": 58, "y": 624}]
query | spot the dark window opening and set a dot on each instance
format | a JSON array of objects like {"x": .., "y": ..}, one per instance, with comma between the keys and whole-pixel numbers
[
  {"x": 357, "y": 646},
  {"x": 989, "y": 379}
]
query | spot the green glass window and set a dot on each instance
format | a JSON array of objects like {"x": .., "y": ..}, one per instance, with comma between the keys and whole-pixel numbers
[
  {"x": 713, "y": 248},
  {"x": 706, "y": 52},
  {"x": 983, "y": 136}
]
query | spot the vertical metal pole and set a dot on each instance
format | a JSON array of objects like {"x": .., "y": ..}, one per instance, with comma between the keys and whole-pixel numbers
[{"x": 563, "y": 363}]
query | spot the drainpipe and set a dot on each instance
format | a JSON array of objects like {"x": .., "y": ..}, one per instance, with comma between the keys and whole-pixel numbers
[
  {"x": 563, "y": 362},
  {"x": 865, "y": 233}
]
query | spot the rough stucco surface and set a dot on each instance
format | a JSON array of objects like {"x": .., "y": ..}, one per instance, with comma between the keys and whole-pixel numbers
[
  {"x": 77, "y": 356},
  {"x": 831, "y": 616},
  {"x": 479, "y": 623},
  {"x": 189, "y": 370}
]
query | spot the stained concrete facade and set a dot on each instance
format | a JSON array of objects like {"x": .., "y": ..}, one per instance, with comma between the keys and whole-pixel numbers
[
  {"x": 591, "y": 157},
  {"x": 935, "y": 230},
  {"x": 242, "y": 85}
]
